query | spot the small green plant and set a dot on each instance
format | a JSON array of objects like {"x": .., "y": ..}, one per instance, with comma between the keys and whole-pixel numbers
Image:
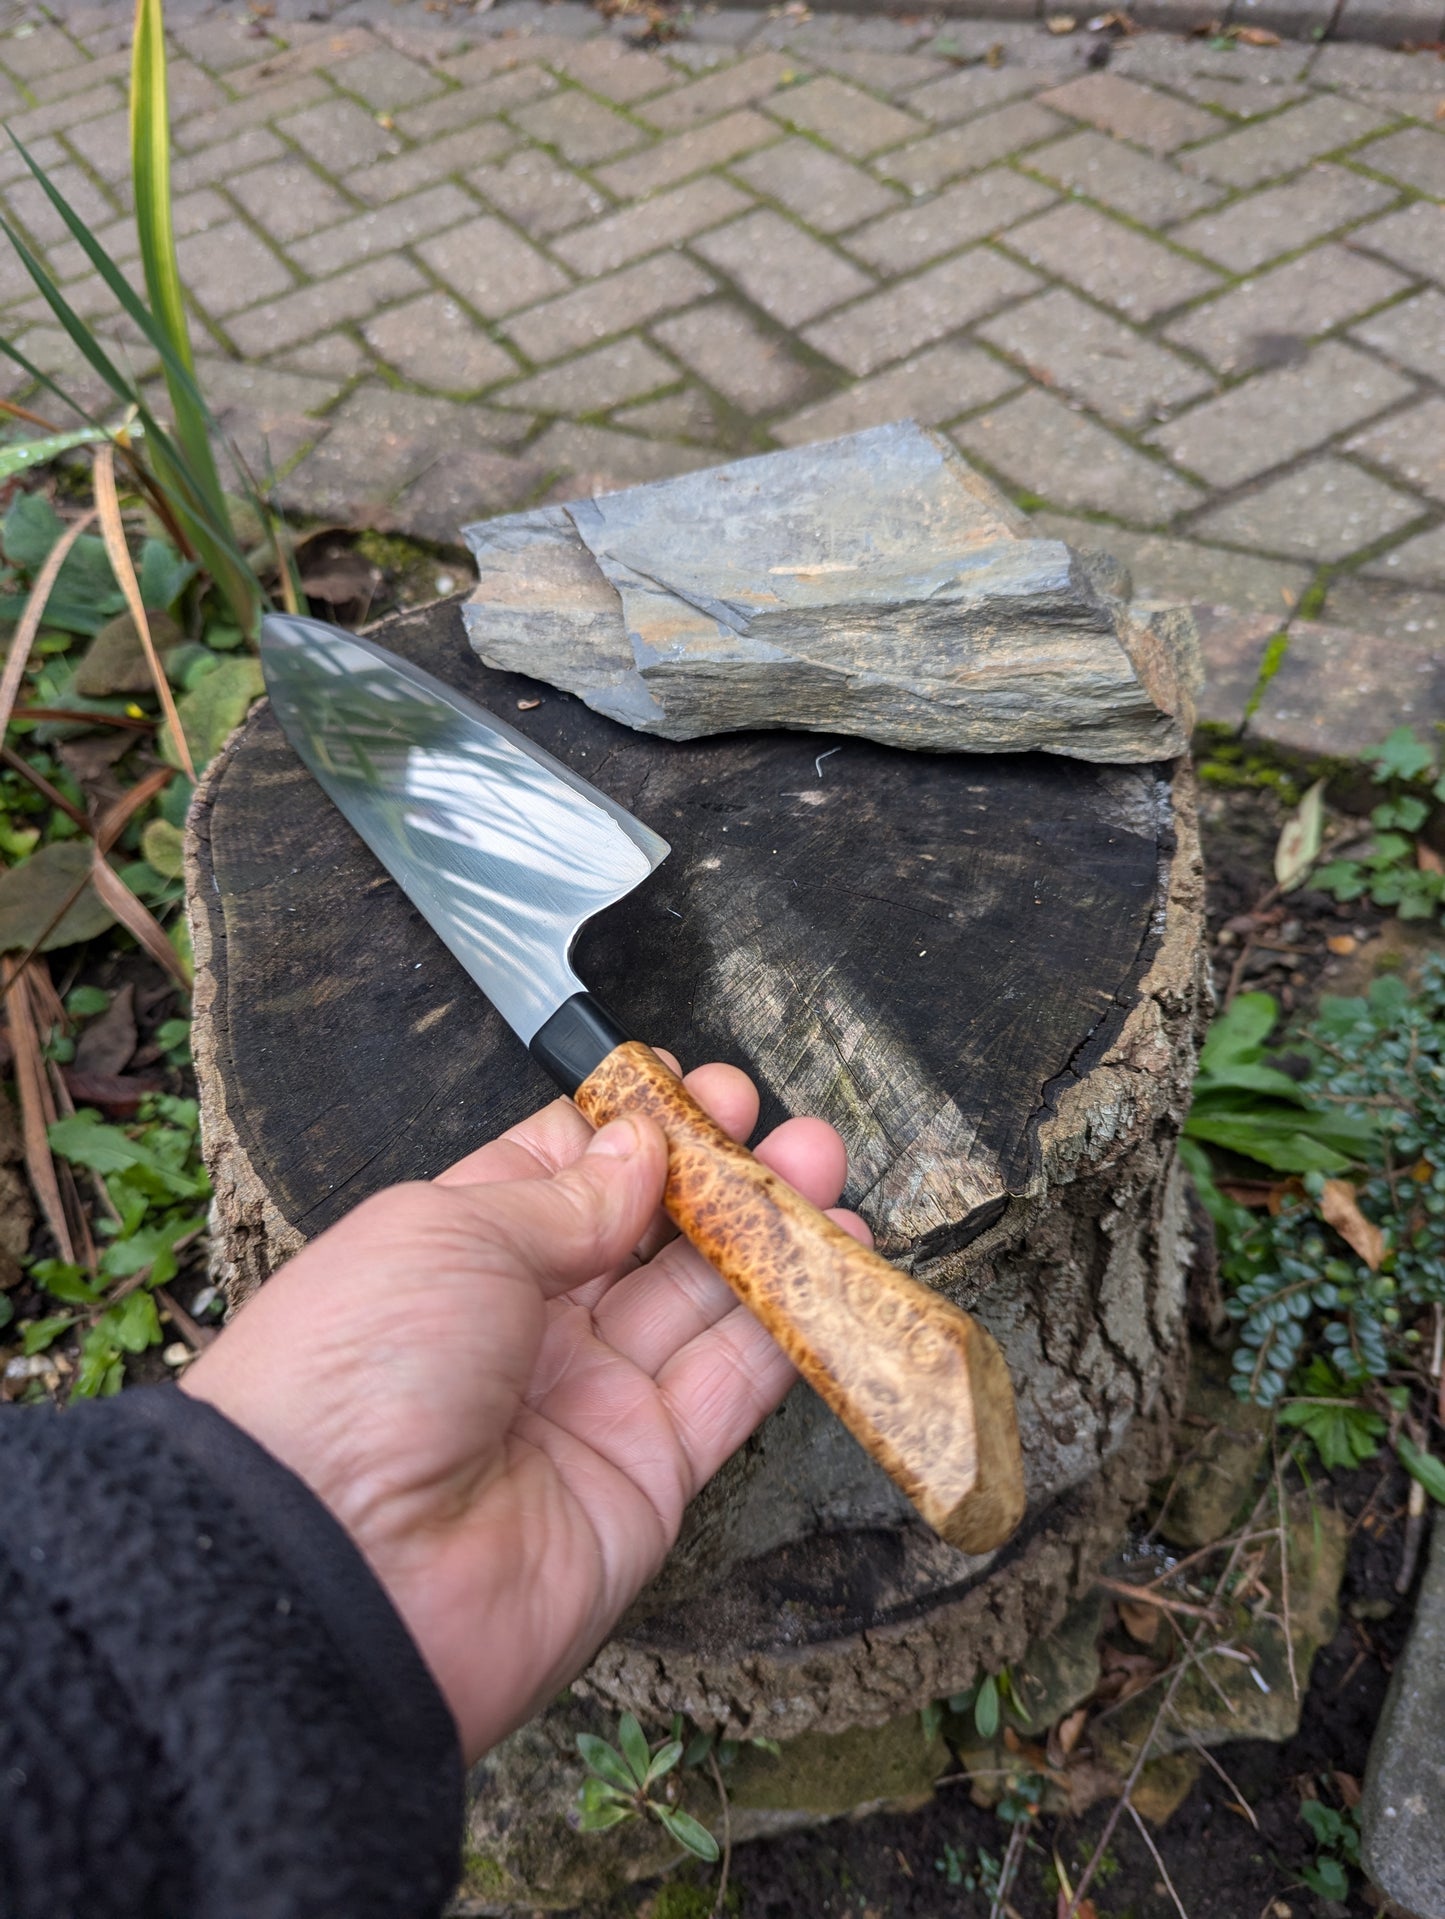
[
  {"x": 1329, "y": 1285},
  {"x": 157, "y": 1189},
  {"x": 1337, "y": 1840},
  {"x": 1393, "y": 871},
  {"x": 634, "y": 1779},
  {"x": 985, "y": 1875}
]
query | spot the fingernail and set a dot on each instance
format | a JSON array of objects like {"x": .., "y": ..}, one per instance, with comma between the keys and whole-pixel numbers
[{"x": 618, "y": 1139}]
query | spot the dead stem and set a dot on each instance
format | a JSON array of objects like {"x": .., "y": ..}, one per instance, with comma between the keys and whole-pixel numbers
[
  {"x": 1011, "y": 1858},
  {"x": 1154, "y": 1853},
  {"x": 1283, "y": 1535},
  {"x": 1147, "y": 1597},
  {"x": 1208, "y": 1757},
  {"x": 727, "y": 1819}
]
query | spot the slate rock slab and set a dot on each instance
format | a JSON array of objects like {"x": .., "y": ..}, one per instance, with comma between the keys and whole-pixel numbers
[
  {"x": 1402, "y": 1815},
  {"x": 872, "y": 585}
]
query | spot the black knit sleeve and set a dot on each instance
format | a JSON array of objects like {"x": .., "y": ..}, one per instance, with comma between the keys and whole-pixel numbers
[{"x": 208, "y": 1707}]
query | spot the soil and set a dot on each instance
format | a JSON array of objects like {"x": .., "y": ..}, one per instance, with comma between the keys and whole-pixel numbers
[{"x": 1222, "y": 1863}]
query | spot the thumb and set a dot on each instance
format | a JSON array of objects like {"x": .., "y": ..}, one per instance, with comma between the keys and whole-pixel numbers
[{"x": 587, "y": 1218}]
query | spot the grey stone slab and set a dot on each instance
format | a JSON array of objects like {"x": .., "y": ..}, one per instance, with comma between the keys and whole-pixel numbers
[
  {"x": 1324, "y": 510},
  {"x": 969, "y": 145},
  {"x": 382, "y": 230},
  {"x": 1412, "y": 333},
  {"x": 783, "y": 269},
  {"x": 1410, "y": 445},
  {"x": 687, "y": 415},
  {"x": 663, "y": 221},
  {"x": 1147, "y": 189},
  {"x": 226, "y": 267},
  {"x": 1414, "y": 157},
  {"x": 725, "y": 347},
  {"x": 1173, "y": 569},
  {"x": 910, "y": 314},
  {"x": 971, "y": 90},
  {"x": 1250, "y": 232},
  {"x": 289, "y": 199},
  {"x": 387, "y": 80},
  {"x": 1390, "y": 22},
  {"x": 582, "y": 129},
  {"x": 972, "y": 210},
  {"x": 1394, "y": 612},
  {"x": 843, "y": 117},
  {"x": 541, "y": 196},
  {"x": 1075, "y": 349},
  {"x": 630, "y": 297},
  {"x": 1413, "y": 238},
  {"x": 1419, "y": 561},
  {"x": 1402, "y": 1814},
  {"x": 1294, "y": 19},
  {"x": 1283, "y": 142},
  {"x": 493, "y": 269},
  {"x": 433, "y": 342},
  {"x": 338, "y": 134},
  {"x": 1275, "y": 416},
  {"x": 594, "y": 459},
  {"x": 933, "y": 387},
  {"x": 1338, "y": 692},
  {"x": 822, "y": 189},
  {"x": 1267, "y": 320},
  {"x": 1115, "y": 264},
  {"x": 1129, "y": 111},
  {"x": 1066, "y": 459},
  {"x": 797, "y": 589},
  {"x": 605, "y": 377}
]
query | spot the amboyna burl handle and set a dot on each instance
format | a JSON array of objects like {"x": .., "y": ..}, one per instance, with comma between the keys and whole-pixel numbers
[{"x": 921, "y": 1385}]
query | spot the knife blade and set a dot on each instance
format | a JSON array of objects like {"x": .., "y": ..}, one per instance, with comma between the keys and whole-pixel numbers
[{"x": 507, "y": 853}]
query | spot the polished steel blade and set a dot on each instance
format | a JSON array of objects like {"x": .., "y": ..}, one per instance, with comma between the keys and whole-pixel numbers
[{"x": 503, "y": 850}]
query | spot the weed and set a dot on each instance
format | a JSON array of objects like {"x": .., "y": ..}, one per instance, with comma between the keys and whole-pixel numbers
[
  {"x": 634, "y": 1778},
  {"x": 1337, "y": 1841},
  {"x": 1396, "y": 869}
]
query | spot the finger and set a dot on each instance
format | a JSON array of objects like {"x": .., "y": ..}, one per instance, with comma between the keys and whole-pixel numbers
[
  {"x": 649, "y": 1314},
  {"x": 726, "y": 1095},
  {"x": 719, "y": 1388},
  {"x": 583, "y": 1220}
]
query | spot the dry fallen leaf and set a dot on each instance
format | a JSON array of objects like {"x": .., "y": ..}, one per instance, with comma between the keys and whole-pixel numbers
[
  {"x": 1257, "y": 37},
  {"x": 1348, "y": 1787},
  {"x": 994, "y": 56},
  {"x": 1339, "y": 1207},
  {"x": 1301, "y": 839},
  {"x": 1141, "y": 1622},
  {"x": 1427, "y": 859},
  {"x": 1071, "y": 1727}
]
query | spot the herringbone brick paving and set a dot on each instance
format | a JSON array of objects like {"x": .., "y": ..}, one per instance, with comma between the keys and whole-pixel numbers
[{"x": 1188, "y": 305}]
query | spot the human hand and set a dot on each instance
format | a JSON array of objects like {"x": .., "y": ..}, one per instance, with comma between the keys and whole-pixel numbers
[{"x": 507, "y": 1385}]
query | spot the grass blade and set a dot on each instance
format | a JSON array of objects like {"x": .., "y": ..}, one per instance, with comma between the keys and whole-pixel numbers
[
  {"x": 137, "y": 918},
  {"x": 107, "y": 505},
  {"x": 18, "y": 459},
  {"x": 19, "y": 655},
  {"x": 150, "y": 168}
]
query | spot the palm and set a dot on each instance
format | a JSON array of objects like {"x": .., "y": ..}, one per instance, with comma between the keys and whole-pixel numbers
[{"x": 515, "y": 1465}]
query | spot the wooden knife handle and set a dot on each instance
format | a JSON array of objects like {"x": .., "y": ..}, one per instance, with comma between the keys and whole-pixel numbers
[{"x": 921, "y": 1385}]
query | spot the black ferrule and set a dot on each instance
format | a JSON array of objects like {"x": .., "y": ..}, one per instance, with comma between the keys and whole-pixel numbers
[{"x": 577, "y": 1038}]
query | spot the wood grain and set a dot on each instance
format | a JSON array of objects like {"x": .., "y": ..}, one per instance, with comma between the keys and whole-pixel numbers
[{"x": 920, "y": 1385}]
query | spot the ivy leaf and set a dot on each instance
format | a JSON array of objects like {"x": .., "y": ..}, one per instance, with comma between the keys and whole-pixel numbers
[
  {"x": 1401, "y": 756},
  {"x": 1423, "y": 1466},
  {"x": 687, "y": 1832}
]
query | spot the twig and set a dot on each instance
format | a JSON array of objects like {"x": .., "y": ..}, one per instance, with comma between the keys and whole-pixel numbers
[
  {"x": 42, "y": 786},
  {"x": 1016, "y": 1843},
  {"x": 18, "y": 658},
  {"x": 1286, "y": 1623},
  {"x": 1414, "y": 1537},
  {"x": 107, "y": 504},
  {"x": 727, "y": 1819},
  {"x": 199, "y": 1337},
  {"x": 1209, "y": 1758},
  {"x": 1163, "y": 1869},
  {"x": 1147, "y": 1597}
]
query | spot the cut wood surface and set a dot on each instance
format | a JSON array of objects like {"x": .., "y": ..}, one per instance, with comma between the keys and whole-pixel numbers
[{"x": 983, "y": 971}]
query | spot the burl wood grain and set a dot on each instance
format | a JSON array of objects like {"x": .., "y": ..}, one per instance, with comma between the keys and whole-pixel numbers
[{"x": 918, "y": 1383}]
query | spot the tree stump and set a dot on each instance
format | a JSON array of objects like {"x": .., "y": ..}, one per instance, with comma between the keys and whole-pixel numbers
[{"x": 985, "y": 971}]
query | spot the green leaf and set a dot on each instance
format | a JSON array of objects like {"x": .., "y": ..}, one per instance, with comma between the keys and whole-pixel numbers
[
  {"x": 134, "y": 1324},
  {"x": 1343, "y": 879},
  {"x": 606, "y": 1761},
  {"x": 1422, "y": 1466},
  {"x": 688, "y": 1833},
  {"x": 7, "y": 1309},
  {"x": 102, "y": 1370},
  {"x": 20, "y": 455},
  {"x": 1276, "y": 1144},
  {"x": 1327, "y": 1877},
  {"x": 663, "y": 1761},
  {"x": 84, "y": 1002},
  {"x": 33, "y": 893},
  {"x": 86, "y": 1141},
  {"x": 164, "y": 846},
  {"x": 635, "y": 1750},
  {"x": 1344, "y": 1433},
  {"x": 1408, "y": 812},
  {"x": 164, "y": 576},
  {"x": 1240, "y": 1032},
  {"x": 30, "y": 529},
  {"x": 65, "y": 1282},
  {"x": 1402, "y": 756},
  {"x": 212, "y": 711},
  {"x": 599, "y": 1818},
  {"x": 985, "y": 1707},
  {"x": 42, "y": 1333}
]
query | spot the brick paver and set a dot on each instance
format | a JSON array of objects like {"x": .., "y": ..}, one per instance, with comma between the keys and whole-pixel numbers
[{"x": 1189, "y": 305}]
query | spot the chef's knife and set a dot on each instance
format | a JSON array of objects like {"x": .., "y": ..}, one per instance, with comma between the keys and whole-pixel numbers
[{"x": 506, "y": 854}]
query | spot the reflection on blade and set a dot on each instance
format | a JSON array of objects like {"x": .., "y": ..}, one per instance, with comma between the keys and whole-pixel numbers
[{"x": 503, "y": 850}]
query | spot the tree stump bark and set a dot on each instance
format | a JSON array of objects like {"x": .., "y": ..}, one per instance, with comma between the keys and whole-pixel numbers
[{"x": 986, "y": 972}]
